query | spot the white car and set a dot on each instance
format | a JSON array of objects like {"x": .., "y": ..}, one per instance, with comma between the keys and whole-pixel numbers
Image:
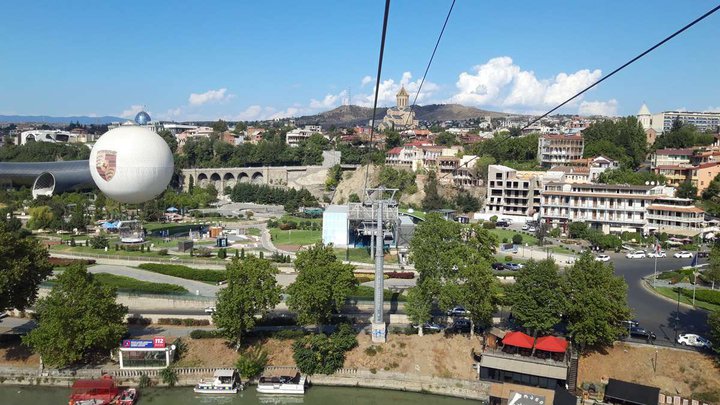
[
  {"x": 657, "y": 254},
  {"x": 638, "y": 254},
  {"x": 210, "y": 310},
  {"x": 508, "y": 220},
  {"x": 691, "y": 339},
  {"x": 683, "y": 255},
  {"x": 532, "y": 229},
  {"x": 525, "y": 227},
  {"x": 602, "y": 258}
]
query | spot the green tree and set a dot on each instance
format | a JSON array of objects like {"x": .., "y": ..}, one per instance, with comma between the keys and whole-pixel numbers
[
  {"x": 251, "y": 290},
  {"x": 687, "y": 190},
  {"x": 714, "y": 326},
  {"x": 517, "y": 239},
  {"x": 333, "y": 177},
  {"x": 628, "y": 176},
  {"x": 354, "y": 198},
  {"x": 23, "y": 266},
  {"x": 41, "y": 217},
  {"x": 321, "y": 354},
  {"x": 466, "y": 202},
  {"x": 712, "y": 274},
  {"x": 578, "y": 230},
  {"x": 219, "y": 126},
  {"x": 77, "y": 319},
  {"x": 322, "y": 285},
  {"x": 252, "y": 362},
  {"x": 418, "y": 307},
  {"x": 476, "y": 289},
  {"x": 169, "y": 376},
  {"x": 482, "y": 163},
  {"x": 169, "y": 139},
  {"x": 537, "y": 297},
  {"x": 683, "y": 135},
  {"x": 432, "y": 200},
  {"x": 392, "y": 138},
  {"x": 597, "y": 303},
  {"x": 623, "y": 140},
  {"x": 446, "y": 139},
  {"x": 712, "y": 192}
]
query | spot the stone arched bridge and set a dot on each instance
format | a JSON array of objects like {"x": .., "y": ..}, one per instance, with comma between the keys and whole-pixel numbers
[{"x": 292, "y": 176}]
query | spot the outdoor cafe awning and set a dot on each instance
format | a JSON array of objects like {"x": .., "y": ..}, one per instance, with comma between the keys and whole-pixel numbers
[
  {"x": 518, "y": 339},
  {"x": 551, "y": 344}
]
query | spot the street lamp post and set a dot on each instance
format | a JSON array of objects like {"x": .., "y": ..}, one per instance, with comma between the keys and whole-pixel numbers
[
  {"x": 677, "y": 317},
  {"x": 695, "y": 274}
]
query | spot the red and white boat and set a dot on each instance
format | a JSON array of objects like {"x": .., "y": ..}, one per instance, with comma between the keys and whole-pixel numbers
[
  {"x": 101, "y": 391},
  {"x": 128, "y": 397}
]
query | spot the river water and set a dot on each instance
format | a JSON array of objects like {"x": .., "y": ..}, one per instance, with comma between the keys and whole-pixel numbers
[{"x": 185, "y": 396}]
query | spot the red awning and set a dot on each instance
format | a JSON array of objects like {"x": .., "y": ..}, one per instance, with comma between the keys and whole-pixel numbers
[
  {"x": 551, "y": 344},
  {"x": 518, "y": 339}
]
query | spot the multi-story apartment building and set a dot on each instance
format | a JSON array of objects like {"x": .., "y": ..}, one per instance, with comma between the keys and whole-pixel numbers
[
  {"x": 675, "y": 216},
  {"x": 512, "y": 192},
  {"x": 671, "y": 157},
  {"x": 297, "y": 135},
  {"x": 699, "y": 175},
  {"x": 619, "y": 208},
  {"x": 663, "y": 122},
  {"x": 559, "y": 149}
]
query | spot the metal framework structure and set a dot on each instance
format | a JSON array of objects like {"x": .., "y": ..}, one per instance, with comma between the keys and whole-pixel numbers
[{"x": 378, "y": 209}]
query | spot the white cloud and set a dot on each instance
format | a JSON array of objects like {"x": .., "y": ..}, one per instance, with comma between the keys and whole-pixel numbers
[
  {"x": 132, "y": 111},
  {"x": 365, "y": 80},
  {"x": 254, "y": 113},
  {"x": 389, "y": 89},
  {"x": 330, "y": 101},
  {"x": 209, "y": 96},
  {"x": 500, "y": 82},
  {"x": 606, "y": 108}
]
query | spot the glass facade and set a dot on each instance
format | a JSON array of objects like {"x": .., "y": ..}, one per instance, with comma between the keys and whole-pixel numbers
[
  {"x": 143, "y": 359},
  {"x": 491, "y": 374}
]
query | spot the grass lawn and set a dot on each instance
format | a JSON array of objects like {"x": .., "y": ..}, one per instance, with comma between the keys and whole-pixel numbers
[
  {"x": 133, "y": 286},
  {"x": 287, "y": 218},
  {"x": 668, "y": 292},
  {"x": 253, "y": 231},
  {"x": 504, "y": 233},
  {"x": 173, "y": 228},
  {"x": 295, "y": 237},
  {"x": 419, "y": 214},
  {"x": 561, "y": 249}
]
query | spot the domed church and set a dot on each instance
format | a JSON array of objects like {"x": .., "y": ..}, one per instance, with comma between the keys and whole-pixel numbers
[{"x": 401, "y": 116}]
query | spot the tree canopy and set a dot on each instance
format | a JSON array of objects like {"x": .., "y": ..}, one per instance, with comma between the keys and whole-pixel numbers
[
  {"x": 597, "y": 303},
  {"x": 504, "y": 148},
  {"x": 44, "y": 152},
  {"x": 78, "y": 319},
  {"x": 628, "y": 176},
  {"x": 683, "y": 136},
  {"x": 322, "y": 285},
  {"x": 538, "y": 300},
  {"x": 23, "y": 266},
  {"x": 251, "y": 290},
  {"x": 623, "y": 140}
]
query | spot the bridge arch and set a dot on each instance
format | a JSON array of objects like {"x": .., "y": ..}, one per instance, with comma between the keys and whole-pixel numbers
[
  {"x": 216, "y": 181},
  {"x": 257, "y": 178},
  {"x": 202, "y": 180},
  {"x": 229, "y": 180},
  {"x": 243, "y": 178}
]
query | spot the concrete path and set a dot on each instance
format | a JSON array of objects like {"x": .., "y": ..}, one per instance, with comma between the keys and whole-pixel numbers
[{"x": 195, "y": 287}]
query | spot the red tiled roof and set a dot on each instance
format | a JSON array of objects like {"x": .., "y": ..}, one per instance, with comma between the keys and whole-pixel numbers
[
  {"x": 394, "y": 151},
  {"x": 674, "y": 208},
  {"x": 675, "y": 152}
]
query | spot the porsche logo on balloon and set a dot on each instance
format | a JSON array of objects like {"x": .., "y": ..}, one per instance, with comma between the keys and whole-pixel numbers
[{"x": 106, "y": 163}]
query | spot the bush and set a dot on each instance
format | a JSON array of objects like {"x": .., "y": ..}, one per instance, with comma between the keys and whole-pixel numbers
[
  {"x": 185, "y": 272},
  {"x": 276, "y": 321},
  {"x": 321, "y": 354},
  {"x": 205, "y": 334},
  {"x": 517, "y": 239},
  {"x": 99, "y": 242},
  {"x": 131, "y": 285},
  {"x": 504, "y": 240},
  {"x": 202, "y": 252},
  {"x": 139, "y": 321},
  {"x": 488, "y": 225},
  {"x": 494, "y": 218},
  {"x": 709, "y": 296},
  {"x": 408, "y": 275},
  {"x": 252, "y": 362},
  {"x": 222, "y": 253},
  {"x": 144, "y": 381},
  {"x": 162, "y": 252},
  {"x": 62, "y": 262},
  {"x": 169, "y": 376},
  {"x": 508, "y": 258},
  {"x": 184, "y": 322}
]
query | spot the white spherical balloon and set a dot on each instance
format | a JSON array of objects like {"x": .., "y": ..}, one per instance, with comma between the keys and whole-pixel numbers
[{"x": 131, "y": 164}]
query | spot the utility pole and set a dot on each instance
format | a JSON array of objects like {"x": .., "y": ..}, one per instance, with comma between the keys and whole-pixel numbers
[{"x": 380, "y": 205}]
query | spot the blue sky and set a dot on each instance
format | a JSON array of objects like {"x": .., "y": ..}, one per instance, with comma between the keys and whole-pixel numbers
[{"x": 191, "y": 60}]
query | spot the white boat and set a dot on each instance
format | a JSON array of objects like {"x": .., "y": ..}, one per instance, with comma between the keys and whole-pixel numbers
[
  {"x": 282, "y": 385},
  {"x": 223, "y": 382}
]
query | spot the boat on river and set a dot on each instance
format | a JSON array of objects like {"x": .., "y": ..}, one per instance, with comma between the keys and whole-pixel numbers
[
  {"x": 102, "y": 391},
  {"x": 225, "y": 381},
  {"x": 285, "y": 385}
]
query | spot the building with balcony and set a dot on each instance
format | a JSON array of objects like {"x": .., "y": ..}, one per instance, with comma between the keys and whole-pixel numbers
[
  {"x": 675, "y": 216},
  {"x": 556, "y": 150},
  {"x": 617, "y": 208},
  {"x": 513, "y": 192},
  {"x": 671, "y": 157},
  {"x": 297, "y": 135},
  {"x": 699, "y": 175}
]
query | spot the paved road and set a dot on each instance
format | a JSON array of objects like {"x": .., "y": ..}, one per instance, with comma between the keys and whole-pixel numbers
[{"x": 651, "y": 311}]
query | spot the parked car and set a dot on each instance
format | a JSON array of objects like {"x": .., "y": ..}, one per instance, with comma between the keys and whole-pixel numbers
[
  {"x": 461, "y": 325},
  {"x": 704, "y": 253},
  {"x": 532, "y": 229},
  {"x": 657, "y": 254},
  {"x": 508, "y": 220},
  {"x": 525, "y": 227},
  {"x": 602, "y": 258},
  {"x": 691, "y": 339},
  {"x": 210, "y": 310},
  {"x": 630, "y": 323},
  {"x": 458, "y": 311},
  {"x": 513, "y": 266},
  {"x": 683, "y": 255},
  {"x": 430, "y": 326},
  {"x": 638, "y": 254},
  {"x": 502, "y": 224},
  {"x": 498, "y": 266},
  {"x": 642, "y": 333}
]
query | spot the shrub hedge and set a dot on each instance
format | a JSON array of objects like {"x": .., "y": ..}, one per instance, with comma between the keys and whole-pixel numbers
[
  {"x": 63, "y": 262},
  {"x": 188, "y": 273},
  {"x": 709, "y": 296},
  {"x": 401, "y": 274},
  {"x": 184, "y": 321},
  {"x": 205, "y": 334},
  {"x": 131, "y": 285}
]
